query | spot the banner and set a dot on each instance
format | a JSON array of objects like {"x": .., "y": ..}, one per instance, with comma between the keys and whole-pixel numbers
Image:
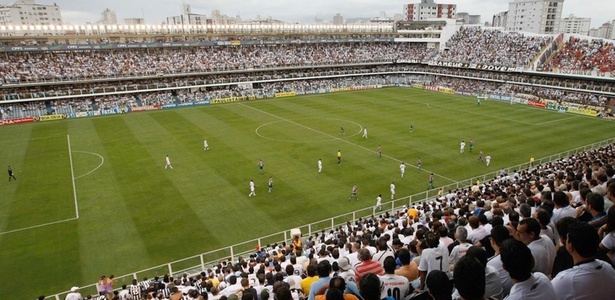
[
  {"x": 17, "y": 121},
  {"x": 285, "y": 94},
  {"x": 232, "y": 99},
  {"x": 486, "y": 67},
  {"x": 143, "y": 108},
  {"x": 51, "y": 118},
  {"x": 536, "y": 103},
  {"x": 445, "y": 90}
]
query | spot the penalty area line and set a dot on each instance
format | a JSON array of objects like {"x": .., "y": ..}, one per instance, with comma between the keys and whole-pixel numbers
[
  {"x": 72, "y": 176},
  {"x": 37, "y": 226}
]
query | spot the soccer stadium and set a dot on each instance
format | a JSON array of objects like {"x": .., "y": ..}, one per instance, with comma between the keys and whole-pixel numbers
[{"x": 218, "y": 162}]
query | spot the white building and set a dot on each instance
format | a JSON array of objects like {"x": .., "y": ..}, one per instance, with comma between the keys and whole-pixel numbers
[
  {"x": 134, "y": 21},
  {"x": 499, "y": 20},
  {"x": 108, "y": 17},
  {"x": 464, "y": 18},
  {"x": 187, "y": 17},
  {"x": 606, "y": 31},
  {"x": 338, "y": 19},
  {"x": 537, "y": 16},
  {"x": 27, "y": 12},
  {"x": 428, "y": 9},
  {"x": 575, "y": 25}
]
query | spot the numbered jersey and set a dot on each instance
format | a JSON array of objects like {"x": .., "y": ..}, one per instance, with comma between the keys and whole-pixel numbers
[
  {"x": 394, "y": 286},
  {"x": 434, "y": 259}
]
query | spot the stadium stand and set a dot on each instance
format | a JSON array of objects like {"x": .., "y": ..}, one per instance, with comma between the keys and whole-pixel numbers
[
  {"x": 584, "y": 54},
  {"x": 40, "y": 83}
]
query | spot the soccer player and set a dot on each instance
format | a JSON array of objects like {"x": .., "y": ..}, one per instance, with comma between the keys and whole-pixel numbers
[
  {"x": 462, "y": 146},
  {"x": 419, "y": 164},
  {"x": 430, "y": 181},
  {"x": 471, "y": 145},
  {"x": 379, "y": 151},
  {"x": 261, "y": 165},
  {"x": 488, "y": 159},
  {"x": 365, "y": 132},
  {"x": 11, "y": 176},
  {"x": 270, "y": 184},
  {"x": 252, "y": 191},
  {"x": 339, "y": 157},
  {"x": 342, "y": 129},
  {"x": 478, "y": 101},
  {"x": 168, "y": 163},
  {"x": 205, "y": 145},
  {"x": 411, "y": 127},
  {"x": 353, "y": 193},
  {"x": 480, "y": 156},
  {"x": 392, "y": 187},
  {"x": 402, "y": 169},
  {"x": 319, "y": 165},
  {"x": 378, "y": 204}
]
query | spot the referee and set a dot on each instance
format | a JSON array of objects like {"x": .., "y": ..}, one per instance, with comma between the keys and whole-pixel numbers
[{"x": 11, "y": 176}]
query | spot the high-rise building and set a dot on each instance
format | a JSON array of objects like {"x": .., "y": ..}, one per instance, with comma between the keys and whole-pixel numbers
[
  {"x": 134, "y": 21},
  {"x": 338, "y": 19},
  {"x": 428, "y": 9},
  {"x": 606, "y": 31},
  {"x": 108, "y": 17},
  {"x": 499, "y": 20},
  {"x": 537, "y": 16},
  {"x": 464, "y": 18},
  {"x": 575, "y": 25},
  {"x": 28, "y": 12},
  {"x": 187, "y": 17}
]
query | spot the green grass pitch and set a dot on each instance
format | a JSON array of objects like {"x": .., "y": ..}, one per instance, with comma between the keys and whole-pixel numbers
[{"x": 134, "y": 214}]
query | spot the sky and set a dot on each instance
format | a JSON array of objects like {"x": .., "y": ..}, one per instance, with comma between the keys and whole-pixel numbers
[{"x": 301, "y": 11}]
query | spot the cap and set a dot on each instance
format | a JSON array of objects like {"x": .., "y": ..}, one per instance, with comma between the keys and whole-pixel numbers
[{"x": 74, "y": 289}]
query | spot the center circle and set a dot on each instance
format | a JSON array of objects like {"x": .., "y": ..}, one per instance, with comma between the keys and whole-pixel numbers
[{"x": 306, "y": 130}]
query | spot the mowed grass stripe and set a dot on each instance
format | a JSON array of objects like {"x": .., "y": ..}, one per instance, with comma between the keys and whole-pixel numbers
[
  {"x": 152, "y": 197},
  {"x": 44, "y": 193},
  {"x": 101, "y": 205},
  {"x": 12, "y": 154}
]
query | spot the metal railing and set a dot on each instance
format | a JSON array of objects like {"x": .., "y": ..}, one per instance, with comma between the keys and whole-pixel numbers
[{"x": 204, "y": 261}]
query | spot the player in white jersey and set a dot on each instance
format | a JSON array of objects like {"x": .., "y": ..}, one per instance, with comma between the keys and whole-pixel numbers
[
  {"x": 402, "y": 169},
  {"x": 252, "y": 192},
  {"x": 392, "y": 186},
  {"x": 488, "y": 159},
  {"x": 168, "y": 163},
  {"x": 319, "y": 165},
  {"x": 205, "y": 145},
  {"x": 365, "y": 132},
  {"x": 462, "y": 146},
  {"x": 378, "y": 204},
  {"x": 391, "y": 285}
]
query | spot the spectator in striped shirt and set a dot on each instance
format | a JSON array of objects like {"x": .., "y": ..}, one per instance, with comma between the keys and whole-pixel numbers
[{"x": 367, "y": 265}]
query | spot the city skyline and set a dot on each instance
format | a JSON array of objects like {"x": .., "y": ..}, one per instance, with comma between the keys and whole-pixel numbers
[{"x": 156, "y": 11}]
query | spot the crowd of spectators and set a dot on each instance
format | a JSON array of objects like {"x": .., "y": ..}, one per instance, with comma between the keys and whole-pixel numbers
[
  {"x": 584, "y": 54},
  {"x": 43, "y": 90},
  {"x": 531, "y": 91},
  {"x": 59, "y": 66},
  {"x": 121, "y": 102},
  {"x": 551, "y": 225},
  {"x": 493, "y": 47}
]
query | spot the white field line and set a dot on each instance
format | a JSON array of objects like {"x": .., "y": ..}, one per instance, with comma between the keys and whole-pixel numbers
[
  {"x": 72, "y": 175},
  {"x": 342, "y": 140},
  {"x": 37, "y": 226},
  {"x": 102, "y": 161}
]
